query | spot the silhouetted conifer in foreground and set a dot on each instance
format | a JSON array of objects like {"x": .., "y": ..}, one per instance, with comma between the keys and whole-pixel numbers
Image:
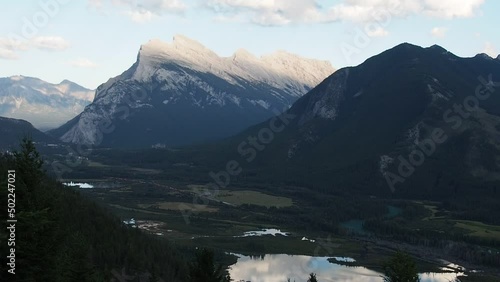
[{"x": 401, "y": 268}]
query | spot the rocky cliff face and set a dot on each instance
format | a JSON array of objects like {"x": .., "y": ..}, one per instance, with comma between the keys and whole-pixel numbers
[{"x": 181, "y": 93}]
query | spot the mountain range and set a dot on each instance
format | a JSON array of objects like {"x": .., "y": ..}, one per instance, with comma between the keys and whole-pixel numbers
[
  {"x": 44, "y": 104},
  {"x": 182, "y": 93},
  {"x": 421, "y": 122},
  {"x": 411, "y": 120}
]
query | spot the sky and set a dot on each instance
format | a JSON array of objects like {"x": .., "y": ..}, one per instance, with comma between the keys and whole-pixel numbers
[{"x": 90, "y": 41}]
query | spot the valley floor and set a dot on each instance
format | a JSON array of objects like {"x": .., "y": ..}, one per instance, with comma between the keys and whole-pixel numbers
[{"x": 190, "y": 214}]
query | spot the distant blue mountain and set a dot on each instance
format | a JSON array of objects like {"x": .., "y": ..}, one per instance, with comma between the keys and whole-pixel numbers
[{"x": 44, "y": 104}]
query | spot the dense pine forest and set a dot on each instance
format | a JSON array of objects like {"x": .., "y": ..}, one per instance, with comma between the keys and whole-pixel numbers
[{"x": 63, "y": 236}]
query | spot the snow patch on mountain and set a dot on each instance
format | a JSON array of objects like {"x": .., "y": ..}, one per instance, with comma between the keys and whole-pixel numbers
[
  {"x": 413, "y": 135},
  {"x": 261, "y": 103},
  {"x": 384, "y": 163},
  {"x": 292, "y": 150},
  {"x": 436, "y": 95},
  {"x": 281, "y": 69}
]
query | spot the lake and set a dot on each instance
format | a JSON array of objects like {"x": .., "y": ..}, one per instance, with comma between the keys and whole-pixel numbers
[
  {"x": 79, "y": 185},
  {"x": 277, "y": 268}
]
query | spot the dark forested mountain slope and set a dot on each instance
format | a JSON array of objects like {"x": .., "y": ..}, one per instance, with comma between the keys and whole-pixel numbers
[
  {"x": 63, "y": 236},
  {"x": 13, "y": 130},
  {"x": 416, "y": 121}
]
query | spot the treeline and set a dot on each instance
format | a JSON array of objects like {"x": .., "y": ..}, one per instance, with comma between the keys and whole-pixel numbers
[
  {"x": 63, "y": 236},
  {"x": 475, "y": 250},
  {"x": 311, "y": 210}
]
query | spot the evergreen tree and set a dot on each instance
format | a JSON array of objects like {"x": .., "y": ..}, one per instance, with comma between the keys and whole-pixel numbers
[
  {"x": 62, "y": 236},
  {"x": 73, "y": 262},
  {"x": 205, "y": 270},
  {"x": 401, "y": 268},
  {"x": 36, "y": 228},
  {"x": 154, "y": 276},
  {"x": 312, "y": 278},
  {"x": 29, "y": 163}
]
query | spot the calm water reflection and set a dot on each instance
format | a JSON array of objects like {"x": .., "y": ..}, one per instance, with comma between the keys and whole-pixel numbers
[{"x": 277, "y": 268}]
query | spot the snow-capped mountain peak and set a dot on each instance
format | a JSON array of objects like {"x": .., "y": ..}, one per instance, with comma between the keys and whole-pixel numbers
[
  {"x": 181, "y": 49},
  {"x": 181, "y": 41},
  {"x": 193, "y": 94},
  {"x": 243, "y": 55},
  {"x": 16, "y": 77},
  {"x": 281, "y": 68}
]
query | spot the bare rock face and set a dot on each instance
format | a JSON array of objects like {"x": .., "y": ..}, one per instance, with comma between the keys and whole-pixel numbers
[{"x": 182, "y": 92}]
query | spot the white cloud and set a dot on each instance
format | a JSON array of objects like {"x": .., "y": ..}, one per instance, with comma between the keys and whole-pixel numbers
[
  {"x": 490, "y": 50},
  {"x": 451, "y": 8},
  {"x": 370, "y": 10},
  {"x": 145, "y": 10},
  {"x": 54, "y": 43},
  {"x": 439, "y": 32},
  {"x": 441, "y": 9},
  {"x": 140, "y": 16},
  {"x": 8, "y": 54},
  {"x": 10, "y": 47},
  {"x": 282, "y": 12},
  {"x": 95, "y": 3},
  {"x": 267, "y": 12},
  {"x": 377, "y": 32},
  {"x": 83, "y": 63}
]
